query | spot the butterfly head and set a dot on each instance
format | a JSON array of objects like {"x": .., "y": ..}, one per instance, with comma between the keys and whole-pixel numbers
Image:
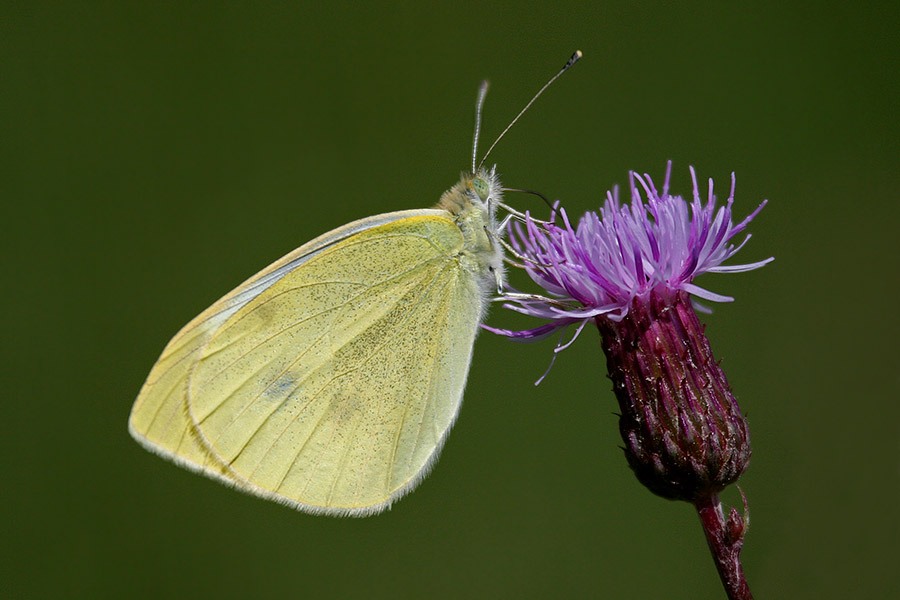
[{"x": 483, "y": 188}]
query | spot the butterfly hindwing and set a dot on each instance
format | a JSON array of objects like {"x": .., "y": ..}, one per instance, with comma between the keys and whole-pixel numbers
[{"x": 331, "y": 386}]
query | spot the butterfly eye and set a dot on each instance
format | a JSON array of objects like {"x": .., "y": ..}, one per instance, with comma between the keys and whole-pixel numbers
[{"x": 481, "y": 187}]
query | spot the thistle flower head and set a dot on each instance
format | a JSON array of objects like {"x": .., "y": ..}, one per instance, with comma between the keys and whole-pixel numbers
[
  {"x": 630, "y": 269},
  {"x": 659, "y": 242}
]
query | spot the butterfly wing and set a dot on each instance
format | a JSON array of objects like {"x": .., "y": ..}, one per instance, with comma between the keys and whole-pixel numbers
[{"x": 330, "y": 381}]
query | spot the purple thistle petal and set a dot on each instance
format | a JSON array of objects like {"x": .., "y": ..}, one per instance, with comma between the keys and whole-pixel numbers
[
  {"x": 658, "y": 242},
  {"x": 527, "y": 335},
  {"x": 700, "y": 292},
  {"x": 740, "y": 268}
]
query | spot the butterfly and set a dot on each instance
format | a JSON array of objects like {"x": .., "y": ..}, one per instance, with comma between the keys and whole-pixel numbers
[{"x": 330, "y": 380}]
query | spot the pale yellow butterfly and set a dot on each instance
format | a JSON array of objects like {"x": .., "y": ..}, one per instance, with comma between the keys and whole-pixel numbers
[{"x": 329, "y": 380}]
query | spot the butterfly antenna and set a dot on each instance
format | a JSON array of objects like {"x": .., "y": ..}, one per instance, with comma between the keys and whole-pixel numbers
[
  {"x": 574, "y": 59},
  {"x": 479, "y": 104}
]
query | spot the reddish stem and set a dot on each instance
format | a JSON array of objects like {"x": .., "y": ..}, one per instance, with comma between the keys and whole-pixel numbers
[{"x": 725, "y": 538}]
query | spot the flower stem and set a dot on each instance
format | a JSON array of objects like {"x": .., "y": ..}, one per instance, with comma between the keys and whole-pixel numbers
[{"x": 725, "y": 538}]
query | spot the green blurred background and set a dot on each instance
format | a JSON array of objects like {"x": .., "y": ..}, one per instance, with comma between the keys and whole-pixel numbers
[{"x": 153, "y": 155}]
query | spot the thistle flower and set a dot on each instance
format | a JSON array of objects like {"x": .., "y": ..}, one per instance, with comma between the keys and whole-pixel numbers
[{"x": 630, "y": 269}]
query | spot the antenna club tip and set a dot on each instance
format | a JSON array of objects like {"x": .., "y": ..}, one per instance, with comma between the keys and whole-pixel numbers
[{"x": 574, "y": 59}]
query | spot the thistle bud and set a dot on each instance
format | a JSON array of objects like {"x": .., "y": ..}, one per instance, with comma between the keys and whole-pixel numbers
[{"x": 684, "y": 434}]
